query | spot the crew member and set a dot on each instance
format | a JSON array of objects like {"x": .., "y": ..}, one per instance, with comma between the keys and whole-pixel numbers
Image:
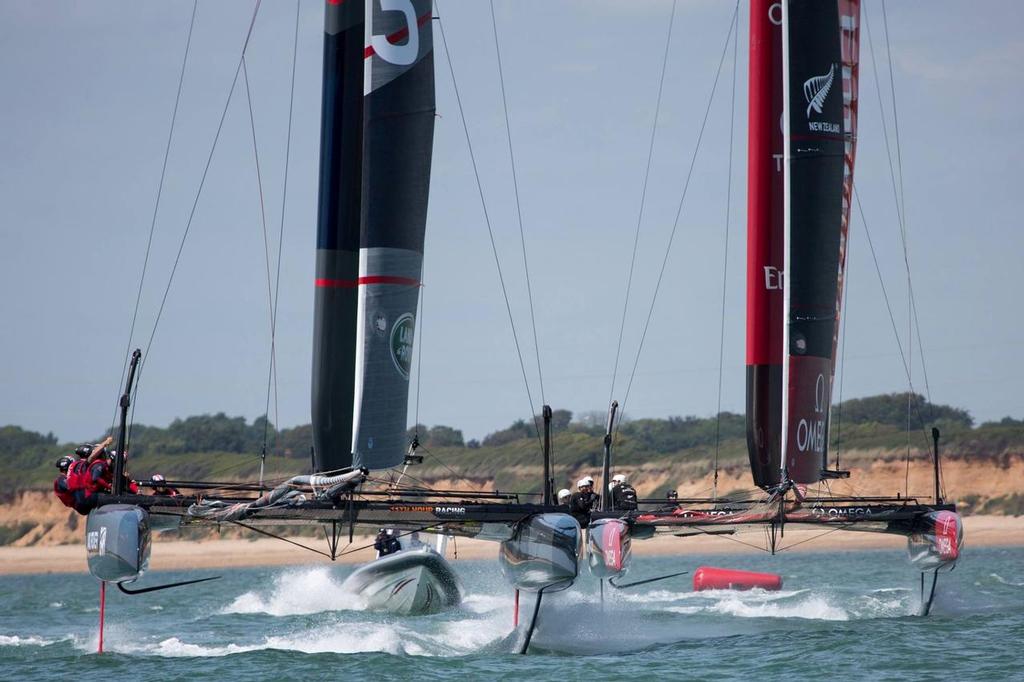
[
  {"x": 386, "y": 543},
  {"x": 583, "y": 500},
  {"x": 60, "y": 484},
  {"x": 78, "y": 475},
  {"x": 160, "y": 486},
  {"x": 623, "y": 494},
  {"x": 563, "y": 497}
]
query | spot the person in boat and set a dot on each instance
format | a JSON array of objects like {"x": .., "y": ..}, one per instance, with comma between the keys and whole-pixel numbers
[
  {"x": 60, "y": 484},
  {"x": 386, "y": 542},
  {"x": 623, "y": 494},
  {"x": 563, "y": 497},
  {"x": 100, "y": 479},
  {"x": 160, "y": 486},
  {"x": 78, "y": 476},
  {"x": 583, "y": 500}
]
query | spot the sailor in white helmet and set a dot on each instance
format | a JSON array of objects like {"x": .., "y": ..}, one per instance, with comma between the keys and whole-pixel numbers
[
  {"x": 583, "y": 500},
  {"x": 563, "y": 496},
  {"x": 623, "y": 494}
]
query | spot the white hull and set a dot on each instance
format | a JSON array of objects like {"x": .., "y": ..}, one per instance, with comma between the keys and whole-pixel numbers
[{"x": 410, "y": 582}]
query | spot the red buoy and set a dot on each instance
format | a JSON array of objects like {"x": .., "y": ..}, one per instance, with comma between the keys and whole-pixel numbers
[{"x": 711, "y": 578}]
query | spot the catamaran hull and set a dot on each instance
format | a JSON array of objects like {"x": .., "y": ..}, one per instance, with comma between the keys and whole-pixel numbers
[
  {"x": 117, "y": 540},
  {"x": 936, "y": 545},
  {"x": 543, "y": 553},
  {"x": 411, "y": 582},
  {"x": 609, "y": 552}
]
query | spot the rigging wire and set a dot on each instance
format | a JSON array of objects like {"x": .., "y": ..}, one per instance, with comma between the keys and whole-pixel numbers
[
  {"x": 643, "y": 199},
  {"x": 276, "y": 297},
  {"x": 419, "y": 358},
  {"x": 156, "y": 209},
  {"x": 905, "y": 232},
  {"x": 199, "y": 192},
  {"x": 842, "y": 354},
  {"x": 490, "y": 230},
  {"x": 913, "y": 322},
  {"x": 519, "y": 210},
  {"x": 191, "y": 216},
  {"x": 897, "y": 185},
  {"x": 842, "y": 526},
  {"x": 679, "y": 210},
  {"x": 453, "y": 472},
  {"x": 892, "y": 318},
  {"x": 266, "y": 252},
  {"x": 725, "y": 266},
  {"x": 902, "y": 214}
]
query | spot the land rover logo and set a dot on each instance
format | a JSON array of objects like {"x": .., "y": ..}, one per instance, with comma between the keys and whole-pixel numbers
[{"x": 401, "y": 343}]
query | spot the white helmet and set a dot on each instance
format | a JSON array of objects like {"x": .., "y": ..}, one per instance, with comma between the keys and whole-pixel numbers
[
  {"x": 586, "y": 480},
  {"x": 563, "y": 495},
  {"x": 619, "y": 479}
]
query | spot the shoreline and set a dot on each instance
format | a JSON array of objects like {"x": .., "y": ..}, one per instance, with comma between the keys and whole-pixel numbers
[{"x": 979, "y": 531}]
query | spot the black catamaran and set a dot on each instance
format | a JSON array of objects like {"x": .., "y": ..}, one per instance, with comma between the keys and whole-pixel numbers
[{"x": 378, "y": 112}]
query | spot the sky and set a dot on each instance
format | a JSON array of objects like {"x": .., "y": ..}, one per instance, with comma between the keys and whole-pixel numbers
[{"x": 88, "y": 92}]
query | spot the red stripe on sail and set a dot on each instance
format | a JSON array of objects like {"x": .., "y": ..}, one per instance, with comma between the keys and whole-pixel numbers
[
  {"x": 369, "y": 279},
  {"x": 398, "y": 36}
]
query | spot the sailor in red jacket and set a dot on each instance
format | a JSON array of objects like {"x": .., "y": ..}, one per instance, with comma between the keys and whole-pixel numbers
[
  {"x": 60, "y": 484},
  {"x": 101, "y": 476},
  {"x": 78, "y": 474}
]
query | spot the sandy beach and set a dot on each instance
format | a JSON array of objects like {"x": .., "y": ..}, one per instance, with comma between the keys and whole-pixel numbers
[{"x": 980, "y": 531}]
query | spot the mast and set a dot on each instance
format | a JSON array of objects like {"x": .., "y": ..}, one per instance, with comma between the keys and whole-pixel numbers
[
  {"x": 814, "y": 176},
  {"x": 337, "y": 253},
  {"x": 765, "y": 270},
  {"x": 398, "y": 133}
]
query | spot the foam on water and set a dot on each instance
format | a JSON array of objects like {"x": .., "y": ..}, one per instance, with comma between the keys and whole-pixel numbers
[
  {"x": 31, "y": 640},
  {"x": 486, "y": 603},
  {"x": 1000, "y": 579},
  {"x": 174, "y": 647},
  {"x": 297, "y": 592},
  {"x": 814, "y": 607},
  {"x": 365, "y": 637}
]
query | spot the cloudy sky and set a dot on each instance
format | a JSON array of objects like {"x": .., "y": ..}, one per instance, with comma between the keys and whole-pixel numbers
[{"x": 88, "y": 92}]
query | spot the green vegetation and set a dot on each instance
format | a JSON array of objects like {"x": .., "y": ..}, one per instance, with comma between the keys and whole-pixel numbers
[
  {"x": 15, "y": 531},
  {"x": 220, "y": 447}
]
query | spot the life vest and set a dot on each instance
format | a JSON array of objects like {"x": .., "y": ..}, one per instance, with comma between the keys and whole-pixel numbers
[
  {"x": 78, "y": 474},
  {"x": 60, "y": 489},
  {"x": 100, "y": 477}
]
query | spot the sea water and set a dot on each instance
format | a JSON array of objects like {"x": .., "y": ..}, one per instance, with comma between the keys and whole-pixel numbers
[{"x": 845, "y": 615}]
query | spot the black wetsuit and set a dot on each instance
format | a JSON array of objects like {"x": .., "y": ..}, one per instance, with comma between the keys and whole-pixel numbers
[
  {"x": 581, "y": 504},
  {"x": 386, "y": 544},
  {"x": 624, "y": 497}
]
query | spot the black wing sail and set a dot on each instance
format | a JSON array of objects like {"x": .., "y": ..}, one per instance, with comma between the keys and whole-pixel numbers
[
  {"x": 398, "y": 139},
  {"x": 813, "y": 91},
  {"x": 337, "y": 252}
]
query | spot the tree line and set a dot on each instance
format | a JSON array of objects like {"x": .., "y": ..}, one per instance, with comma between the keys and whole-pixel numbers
[{"x": 25, "y": 450}]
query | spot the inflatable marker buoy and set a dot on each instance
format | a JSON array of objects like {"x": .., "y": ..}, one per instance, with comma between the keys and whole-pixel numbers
[{"x": 711, "y": 578}]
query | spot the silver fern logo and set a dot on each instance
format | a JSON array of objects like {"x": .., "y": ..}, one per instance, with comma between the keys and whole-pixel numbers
[{"x": 816, "y": 90}]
